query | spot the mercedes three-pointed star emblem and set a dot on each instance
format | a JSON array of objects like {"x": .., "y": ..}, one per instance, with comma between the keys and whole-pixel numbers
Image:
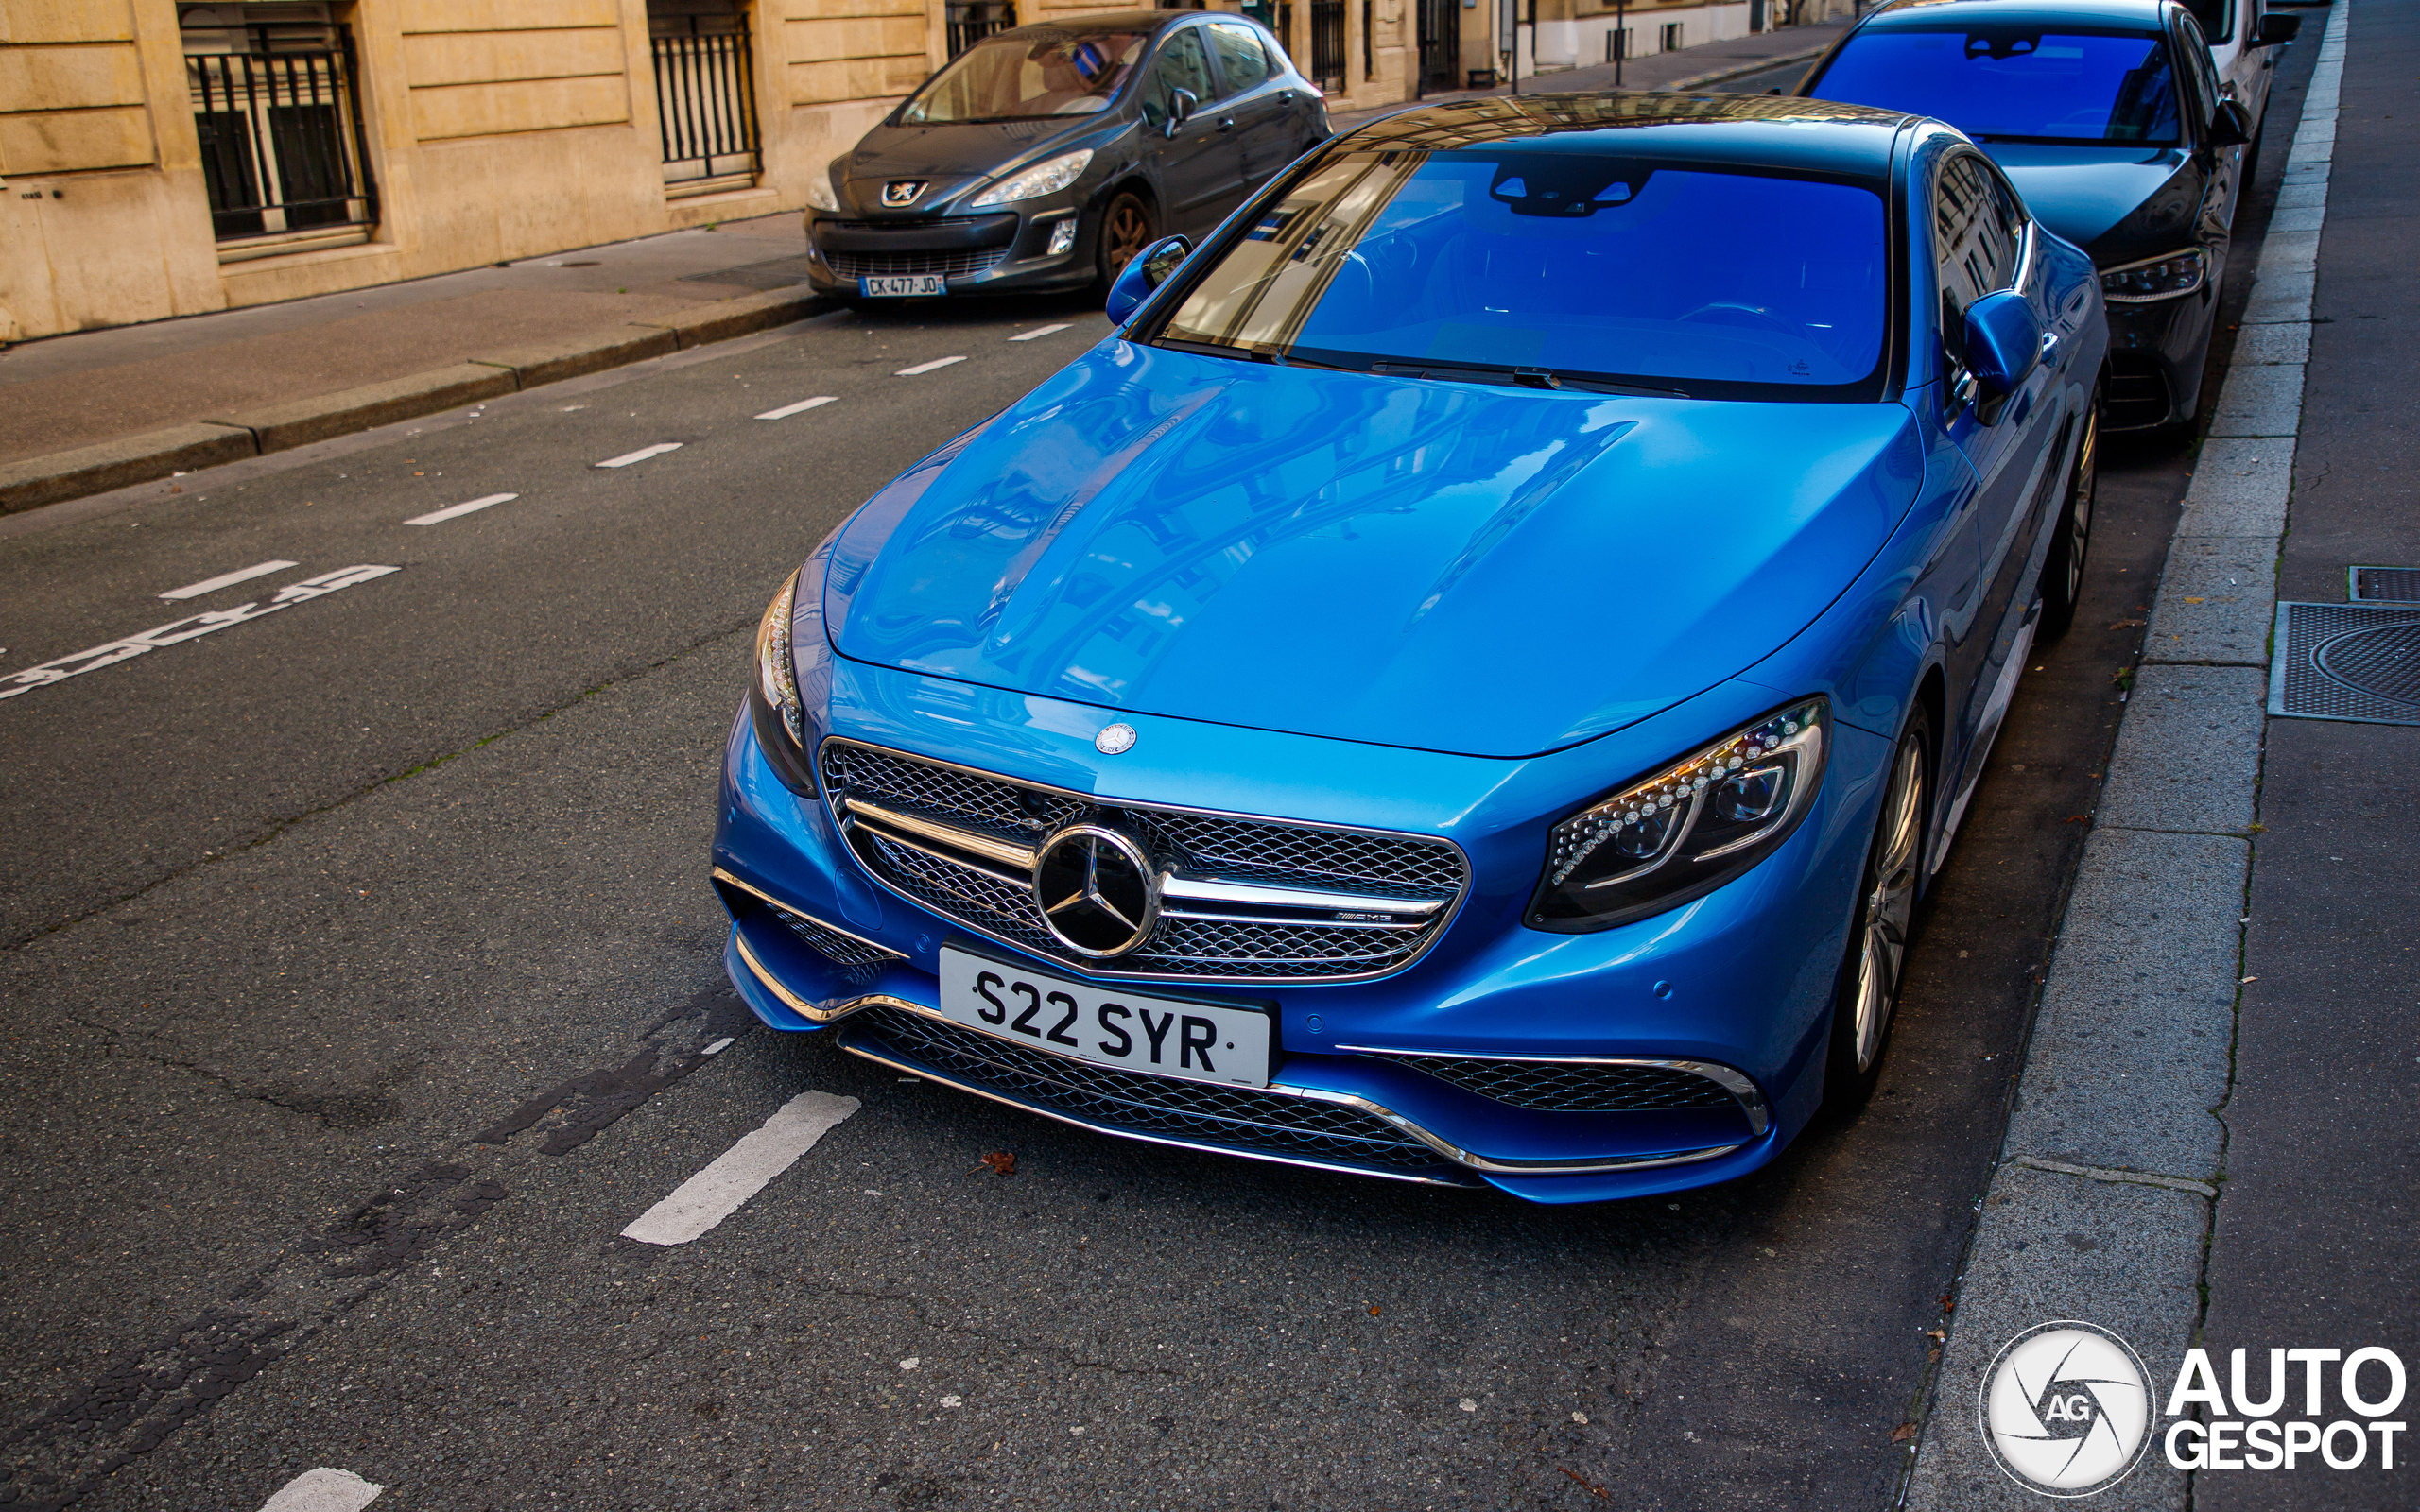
[{"x": 1099, "y": 889}]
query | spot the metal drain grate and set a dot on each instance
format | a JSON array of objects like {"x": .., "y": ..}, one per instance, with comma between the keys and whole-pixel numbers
[
  {"x": 2382, "y": 585},
  {"x": 2350, "y": 661}
]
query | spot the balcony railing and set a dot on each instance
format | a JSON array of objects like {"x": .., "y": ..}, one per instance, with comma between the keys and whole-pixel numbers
[{"x": 705, "y": 99}]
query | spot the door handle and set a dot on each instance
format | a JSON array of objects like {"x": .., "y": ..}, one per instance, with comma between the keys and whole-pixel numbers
[
  {"x": 1228, "y": 124},
  {"x": 2049, "y": 347}
]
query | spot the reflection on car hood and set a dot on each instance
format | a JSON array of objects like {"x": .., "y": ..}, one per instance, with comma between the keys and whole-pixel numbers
[
  {"x": 2082, "y": 193},
  {"x": 1495, "y": 572},
  {"x": 976, "y": 149}
]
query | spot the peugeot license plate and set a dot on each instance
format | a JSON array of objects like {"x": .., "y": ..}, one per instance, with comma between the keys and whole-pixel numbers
[
  {"x": 902, "y": 286},
  {"x": 1131, "y": 1031}
]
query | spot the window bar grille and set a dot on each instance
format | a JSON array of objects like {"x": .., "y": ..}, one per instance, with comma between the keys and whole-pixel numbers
[
  {"x": 1327, "y": 43},
  {"x": 971, "y": 21},
  {"x": 706, "y": 102},
  {"x": 282, "y": 145}
]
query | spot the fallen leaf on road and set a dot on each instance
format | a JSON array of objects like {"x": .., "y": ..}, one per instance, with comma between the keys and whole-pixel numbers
[
  {"x": 1374, "y": 1310},
  {"x": 2197, "y": 601},
  {"x": 1936, "y": 1334},
  {"x": 1002, "y": 1162},
  {"x": 1903, "y": 1433},
  {"x": 1588, "y": 1485}
]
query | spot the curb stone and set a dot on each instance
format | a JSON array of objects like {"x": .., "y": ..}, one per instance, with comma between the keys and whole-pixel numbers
[
  {"x": 2098, "y": 1210},
  {"x": 62, "y": 475}
]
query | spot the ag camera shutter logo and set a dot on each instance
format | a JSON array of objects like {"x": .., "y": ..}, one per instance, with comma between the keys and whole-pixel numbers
[{"x": 2066, "y": 1409}]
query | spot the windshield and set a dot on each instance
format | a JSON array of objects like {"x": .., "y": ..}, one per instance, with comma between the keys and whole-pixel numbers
[
  {"x": 1707, "y": 281},
  {"x": 2014, "y": 82},
  {"x": 1021, "y": 76}
]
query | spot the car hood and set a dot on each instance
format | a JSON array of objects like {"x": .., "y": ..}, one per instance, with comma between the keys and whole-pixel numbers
[
  {"x": 974, "y": 151},
  {"x": 1452, "y": 567},
  {"x": 2146, "y": 196}
]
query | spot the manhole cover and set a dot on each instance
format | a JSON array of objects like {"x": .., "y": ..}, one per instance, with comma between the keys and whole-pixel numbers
[
  {"x": 2355, "y": 661},
  {"x": 2384, "y": 661},
  {"x": 2391, "y": 585}
]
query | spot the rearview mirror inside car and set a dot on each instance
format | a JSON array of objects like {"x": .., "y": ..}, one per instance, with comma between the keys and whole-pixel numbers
[
  {"x": 2003, "y": 343},
  {"x": 1150, "y": 268}
]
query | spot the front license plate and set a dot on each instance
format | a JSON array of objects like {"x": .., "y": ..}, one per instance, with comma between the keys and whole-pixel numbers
[
  {"x": 903, "y": 287},
  {"x": 1171, "y": 1037}
]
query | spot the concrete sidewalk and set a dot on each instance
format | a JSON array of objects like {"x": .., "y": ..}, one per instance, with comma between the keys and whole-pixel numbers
[{"x": 101, "y": 409}]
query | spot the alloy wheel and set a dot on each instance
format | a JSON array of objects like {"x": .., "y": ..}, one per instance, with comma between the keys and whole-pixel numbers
[
  {"x": 1891, "y": 905},
  {"x": 2078, "y": 522},
  {"x": 1127, "y": 232}
]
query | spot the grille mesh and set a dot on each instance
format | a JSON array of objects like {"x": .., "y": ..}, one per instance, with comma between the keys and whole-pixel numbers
[
  {"x": 1565, "y": 1086},
  {"x": 2136, "y": 394},
  {"x": 1236, "y": 1117},
  {"x": 2359, "y": 663},
  {"x": 841, "y": 949},
  {"x": 1190, "y": 948},
  {"x": 895, "y": 265}
]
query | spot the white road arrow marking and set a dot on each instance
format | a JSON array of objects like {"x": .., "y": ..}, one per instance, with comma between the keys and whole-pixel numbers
[
  {"x": 788, "y": 410},
  {"x": 739, "y": 1173},
  {"x": 1038, "y": 332},
  {"x": 927, "y": 366},
  {"x": 323, "y": 1490},
  {"x": 456, "y": 510},
  {"x": 641, "y": 455},
  {"x": 212, "y": 585}
]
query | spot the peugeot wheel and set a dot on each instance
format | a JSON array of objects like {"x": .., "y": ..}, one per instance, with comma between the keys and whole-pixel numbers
[
  {"x": 1886, "y": 912},
  {"x": 1126, "y": 226},
  {"x": 2063, "y": 570}
]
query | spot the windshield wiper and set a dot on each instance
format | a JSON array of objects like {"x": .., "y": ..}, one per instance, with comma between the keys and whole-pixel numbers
[
  {"x": 1523, "y": 377},
  {"x": 1264, "y": 354}
]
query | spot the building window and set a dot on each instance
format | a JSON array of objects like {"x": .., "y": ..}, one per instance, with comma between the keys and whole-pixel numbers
[
  {"x": 1671, "y": 36},
  {"x": 1327, "y": 44},
  {"x": 971, "y": 21},
  {"x": 276, "y": 105},
  {"x": 706, "y": 94}
]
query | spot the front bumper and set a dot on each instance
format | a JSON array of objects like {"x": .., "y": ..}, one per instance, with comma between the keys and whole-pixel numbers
[
  {"x": 1739, "y": 981},
  {"x": 2157, "y": 349},
  {"x": 982, "y": 253}
]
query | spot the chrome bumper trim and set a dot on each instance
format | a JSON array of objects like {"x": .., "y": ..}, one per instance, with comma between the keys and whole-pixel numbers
[
  {"x": 1751, "y": 1101},
  {"x": 720, "y": 874}
]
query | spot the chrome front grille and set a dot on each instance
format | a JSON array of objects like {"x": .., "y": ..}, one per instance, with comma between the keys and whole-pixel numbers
[
  {"x": 1235, "y": 1118},
  {"x": 894, "y": 265},
  {"x": 1246, "y": 900},
  {"x": 846, "y": 951},
  {"x": 1575, "y": 1086}
]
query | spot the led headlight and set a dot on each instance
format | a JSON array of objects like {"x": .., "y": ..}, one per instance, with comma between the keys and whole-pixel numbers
[
  {"x": 1042, "y": 179},
  {"x": 2156, "y": 278},
  {"x": 818, "y": 189},
  {"x": 1687, "y": 830},
  {"x": 774, "y": 704}
]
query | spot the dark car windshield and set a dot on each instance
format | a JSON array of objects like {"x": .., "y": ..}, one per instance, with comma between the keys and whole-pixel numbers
[
  {"x": 2011, "y": 81},
  {"x": 1703, "y": 279},
  {"x": 1021, "y": 76}
]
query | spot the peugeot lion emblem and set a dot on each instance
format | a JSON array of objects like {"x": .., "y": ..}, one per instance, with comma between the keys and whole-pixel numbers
[
  {"x": 1099, "y": 890},
  {"x": 901, "y": 193}
]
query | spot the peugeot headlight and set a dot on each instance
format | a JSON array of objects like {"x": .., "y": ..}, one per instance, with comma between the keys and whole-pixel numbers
[
  {"x": 1687, "y": 830},
  {"x": 774, "y": 705},
  {"x": 818, "y": 189},
  {"x": 1042, "y": 179},
  {"x": 2156, "y": 278}
]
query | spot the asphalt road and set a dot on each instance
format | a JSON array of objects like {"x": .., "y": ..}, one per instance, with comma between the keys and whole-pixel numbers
[{"x": 362, "y": 984}]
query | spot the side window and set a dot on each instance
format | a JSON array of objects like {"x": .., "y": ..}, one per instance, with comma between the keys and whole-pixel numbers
[
  {"x": 1976, "y": 224},
  {"x": 1241, "y": 64},
  {"x": 1183, "y": 64},
  {"x": 2201, "y": 83}
]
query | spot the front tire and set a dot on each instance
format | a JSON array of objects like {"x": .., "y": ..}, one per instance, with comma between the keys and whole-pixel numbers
[
  {"x": 1870, "y": 975},
  {"x": 2063, "y": 570},
  {"x": 1127, "y": 225}
]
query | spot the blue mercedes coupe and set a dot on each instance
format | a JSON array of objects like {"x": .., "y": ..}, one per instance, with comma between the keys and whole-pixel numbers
[{"x": 1471, "y": 681}]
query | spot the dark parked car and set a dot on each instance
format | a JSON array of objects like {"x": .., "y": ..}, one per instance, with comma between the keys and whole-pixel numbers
[
  {"x": 1044, "y": 158},
  {"x": 2109, "y": 117}
]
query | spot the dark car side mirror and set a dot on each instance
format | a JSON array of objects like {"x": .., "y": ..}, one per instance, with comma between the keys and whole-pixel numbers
[
  {"x": 1182, "y": 104},
  {"x": 1150, "y": 268},
  {"x": 2277, "y": 30},
  {"x": 2003, "y": 343},
  {"x": 2230, "y": 125}
]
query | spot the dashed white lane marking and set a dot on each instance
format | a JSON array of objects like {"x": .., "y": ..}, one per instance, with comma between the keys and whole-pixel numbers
[
  {"x": 456, "y": 510},
  {"x": 927, "y": 366},
  {"x": 739, "y": 1173},
  {"x": 1037, "y": 333},
  {"x": 212, "y": 585},
  {"x": 110, "y": 652},
  {"x": 641, "y": 455},
  {"x": 788, "y": 410},
  {"x": 323, "y": 1490}
]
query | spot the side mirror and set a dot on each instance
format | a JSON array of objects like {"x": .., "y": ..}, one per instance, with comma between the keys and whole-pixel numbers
[
  {"x": 2275, "y": 31},
  {"x": 1150, "y": 268},
  {"x": 1182, "y": 104},
  {"x": 2003, "y": 343},
  {"x": 2230, "y": 125}
]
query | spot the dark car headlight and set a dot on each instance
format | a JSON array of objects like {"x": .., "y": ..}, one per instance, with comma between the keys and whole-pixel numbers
[
  {"x": 2156, "y": 278},
  {"x": 1687, "y": 830},
  {"x": 775, "y": 704}
]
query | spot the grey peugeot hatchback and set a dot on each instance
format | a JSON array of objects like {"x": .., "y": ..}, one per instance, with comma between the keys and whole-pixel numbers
[{"x": 1045, "y": 156}]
